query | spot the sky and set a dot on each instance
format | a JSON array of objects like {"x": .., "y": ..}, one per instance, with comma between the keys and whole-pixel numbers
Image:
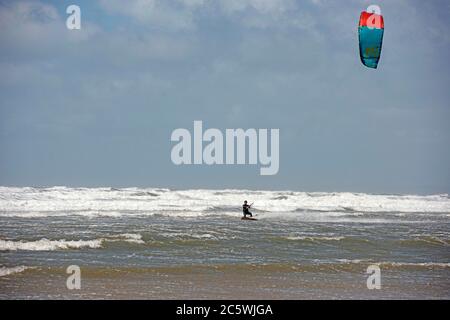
[{"x": 97, "y": 106}]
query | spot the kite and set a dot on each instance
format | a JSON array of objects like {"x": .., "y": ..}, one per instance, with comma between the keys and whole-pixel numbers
[{"x": 370, "y": 31}]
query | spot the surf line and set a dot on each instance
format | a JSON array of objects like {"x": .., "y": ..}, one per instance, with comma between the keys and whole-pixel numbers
[{"x": 257, "y": 147}]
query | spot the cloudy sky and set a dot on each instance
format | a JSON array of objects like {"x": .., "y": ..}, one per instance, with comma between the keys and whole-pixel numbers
[{"x": 96, "y": 106}]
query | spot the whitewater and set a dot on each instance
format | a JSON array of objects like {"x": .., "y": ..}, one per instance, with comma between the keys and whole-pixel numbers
[
  {"x": 42, "y": 202},
  {"x": 162, "y": 243}
]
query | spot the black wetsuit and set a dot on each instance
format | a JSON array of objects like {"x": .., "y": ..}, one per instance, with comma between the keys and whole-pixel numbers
[{"x": 245, "y": 208}]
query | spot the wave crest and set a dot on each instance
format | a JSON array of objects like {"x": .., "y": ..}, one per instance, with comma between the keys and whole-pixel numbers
[
  {"x": 48, "y": 245},
  {"x": 63, "y": 244},
  {"x": 5, "y": 271}
]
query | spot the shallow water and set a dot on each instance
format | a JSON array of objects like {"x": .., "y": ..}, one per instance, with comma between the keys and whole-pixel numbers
[{"x": 157, "y": 243}]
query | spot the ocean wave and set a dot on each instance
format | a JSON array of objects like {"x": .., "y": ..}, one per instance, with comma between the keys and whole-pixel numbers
[
  {"x": 5, "y": 271},
  {"x": 313, "y": 238},
  {"x": 427, "y": 265},
  {"x": 48, "y": 245},
  {"x": 144, "y": 194},
  {"x": 335, "y": 267},
  {"x": 426, "y": 240},
  {"x": 30, "y": 202},
  {"x": 128, "y": 237},
  {"x": 62, "y": 244},
  {"x": 188, "y": 235},
  {"x": 387, "y": 265},
  {"x": 283, "y": 197}
]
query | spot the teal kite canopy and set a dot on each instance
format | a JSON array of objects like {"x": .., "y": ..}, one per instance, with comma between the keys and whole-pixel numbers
[{"x": 370, "y": 31}]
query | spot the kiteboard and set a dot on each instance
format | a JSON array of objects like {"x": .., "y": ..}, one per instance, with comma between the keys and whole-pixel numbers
[{"x": 246, "y": 218}]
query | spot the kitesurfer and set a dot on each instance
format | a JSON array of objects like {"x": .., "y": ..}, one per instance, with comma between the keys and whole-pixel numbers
[{"x": 245, "y": 208}]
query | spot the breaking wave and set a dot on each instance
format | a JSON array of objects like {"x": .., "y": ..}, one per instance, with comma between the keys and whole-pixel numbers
[
  {"x": 52, "y": 245},
  {"x": 311, "y": 238},
  {"x": 48, "y": 245},
  {"x": 5, "y": 271},
  {"x": 31, "y": 202}
]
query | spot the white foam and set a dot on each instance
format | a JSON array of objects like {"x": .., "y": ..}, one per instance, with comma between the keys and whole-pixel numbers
[
  {"x": 310, "y": 238},
  {"x": 352, "y": 261},
  {"x": 4, "y": 271},
  {"x": 129, "y": 237},
  {"x": 399, "y": 264},
  {"x": 181, "y": 235},
  {"x": 48, "y": 245},
  {"x": 99, "y": 202},
  {"x": 417, "y": 264},
  {"x": 51, "y": 245}
]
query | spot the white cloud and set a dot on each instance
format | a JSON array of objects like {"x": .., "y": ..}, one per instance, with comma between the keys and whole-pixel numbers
[
  {"x": 178, "y": 15},
  {"x": 29, "y": 20},
  {"x": 261, "y": 6},
  {"x": 194, "y": 3},
  {"x": 167, "y": 15},
  {"x": 34, "y": 11},
  {"x": 265, "y": 14},
  {"x": 33, "y": 28}
]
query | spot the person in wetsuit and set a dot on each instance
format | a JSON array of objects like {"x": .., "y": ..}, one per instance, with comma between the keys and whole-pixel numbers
[{"x": 245, "y": 208}]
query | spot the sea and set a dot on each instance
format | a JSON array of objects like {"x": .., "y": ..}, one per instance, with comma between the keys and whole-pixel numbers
[{"x": 157, "y": 243}]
